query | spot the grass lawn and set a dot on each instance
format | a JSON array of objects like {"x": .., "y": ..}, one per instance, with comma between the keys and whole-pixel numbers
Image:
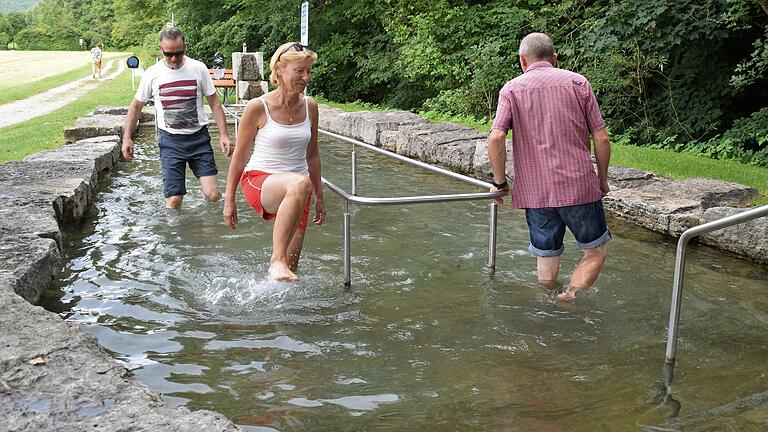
[
  {"x": 18, "y": 92},
  {"x": 47, "y": 132}
]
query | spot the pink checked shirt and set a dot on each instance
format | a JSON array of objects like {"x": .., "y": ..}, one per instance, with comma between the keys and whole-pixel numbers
[{"x": 551, "y": 113}]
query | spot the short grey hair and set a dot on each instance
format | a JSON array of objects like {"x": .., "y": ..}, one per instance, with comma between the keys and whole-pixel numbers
[
  {"x": 171, "y": 33},
  {"x": 537, "y": 46}
]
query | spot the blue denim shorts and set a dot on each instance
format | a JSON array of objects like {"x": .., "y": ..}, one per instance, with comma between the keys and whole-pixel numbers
[
  {"x": 546, "y": 227},
  {"x": 176, "y": 151}
]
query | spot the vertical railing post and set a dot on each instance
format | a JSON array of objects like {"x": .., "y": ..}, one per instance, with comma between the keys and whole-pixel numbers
[
  {"x": 347, "y": 252},
  {"x": 677, "y": 296},
  {"x": 492, "y": 237},
  {"x": 679, "y": 277},
  {"x": 354, "y": 170}
]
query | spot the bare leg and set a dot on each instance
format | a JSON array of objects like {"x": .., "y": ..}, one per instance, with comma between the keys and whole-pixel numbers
[
  {"x": 210, "y": 188},
  {"x": 174, "y": 202},
  {"x": 586, "y": 272},
  {"x": 547, "y": 269},
  {"x": 284, "y": 195},
  {"x": 294, "y": 249}
]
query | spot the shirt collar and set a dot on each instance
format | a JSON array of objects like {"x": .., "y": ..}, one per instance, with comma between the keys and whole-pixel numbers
[{"x": 539, "y": 65}]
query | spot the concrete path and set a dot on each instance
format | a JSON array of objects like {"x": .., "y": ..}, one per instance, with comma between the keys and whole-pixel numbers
[{"x": 53, "y": 99}]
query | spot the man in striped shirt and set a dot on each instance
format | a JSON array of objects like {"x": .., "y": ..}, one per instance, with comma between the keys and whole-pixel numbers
[
  {"x": 552, "y": 113},
  {"x": 177, "y": 84}
]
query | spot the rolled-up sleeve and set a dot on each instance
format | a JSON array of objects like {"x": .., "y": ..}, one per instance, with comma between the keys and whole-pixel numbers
[{"x": 503, "y": 120}]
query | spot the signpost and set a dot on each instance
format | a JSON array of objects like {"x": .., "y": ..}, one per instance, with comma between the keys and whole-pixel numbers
[
  {"x": 132, "y": 62},
  {"x": 305, "y": 29},
  {"x": 305, "y": 23}
]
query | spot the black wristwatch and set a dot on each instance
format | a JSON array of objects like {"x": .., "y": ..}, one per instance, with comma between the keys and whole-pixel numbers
[{"x": 499, "y": 186}]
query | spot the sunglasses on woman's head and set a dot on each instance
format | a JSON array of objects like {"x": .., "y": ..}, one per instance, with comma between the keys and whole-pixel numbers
[{"x": 296, "y": 46}]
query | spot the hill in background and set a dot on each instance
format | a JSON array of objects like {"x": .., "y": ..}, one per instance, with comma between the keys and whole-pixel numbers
[{"x": 7, "y": 6}]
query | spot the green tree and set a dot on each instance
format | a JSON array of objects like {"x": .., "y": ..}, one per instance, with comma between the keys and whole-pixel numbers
[
  {"x": 138, "y": 22},
  {"x": 51, "y": 26},
  {"x": 15, "y": 22}
]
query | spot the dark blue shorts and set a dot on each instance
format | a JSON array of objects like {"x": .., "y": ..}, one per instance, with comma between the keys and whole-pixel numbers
[
  {"x": 176, "y": 151},
  {"x": 546, "y": 227}
]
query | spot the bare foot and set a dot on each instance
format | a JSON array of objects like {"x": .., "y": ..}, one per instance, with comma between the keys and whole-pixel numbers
[
  {"x": 569, "y": 294},
  {"x": 280, "y": 272}
]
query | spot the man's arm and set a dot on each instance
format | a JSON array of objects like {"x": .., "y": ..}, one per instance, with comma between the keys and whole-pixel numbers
[
  {"x": 130, "y": 124},
  {"x": 221, "y": 122},
  {"x": 497, "y": 156},
  {"x": 602, "y": 157}
]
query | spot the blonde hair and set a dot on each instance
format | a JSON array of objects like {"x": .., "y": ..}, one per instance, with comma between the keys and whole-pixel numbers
[{"x": 287, "y": 54}]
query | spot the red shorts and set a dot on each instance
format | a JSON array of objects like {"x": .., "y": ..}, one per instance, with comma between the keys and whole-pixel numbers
[{"x": 251, "y": 182}]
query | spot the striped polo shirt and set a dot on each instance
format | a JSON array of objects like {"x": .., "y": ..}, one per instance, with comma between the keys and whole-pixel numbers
[{"x": 551, "y": 113}]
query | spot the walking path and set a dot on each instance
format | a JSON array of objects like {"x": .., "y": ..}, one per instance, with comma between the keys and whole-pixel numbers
[{"x": 53, "y": 99}]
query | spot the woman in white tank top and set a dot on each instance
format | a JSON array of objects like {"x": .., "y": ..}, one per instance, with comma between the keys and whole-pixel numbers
[{"x": 284, "y": 170}]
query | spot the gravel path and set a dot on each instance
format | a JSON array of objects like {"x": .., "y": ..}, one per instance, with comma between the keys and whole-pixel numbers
[{"x": 53, "y": 99}]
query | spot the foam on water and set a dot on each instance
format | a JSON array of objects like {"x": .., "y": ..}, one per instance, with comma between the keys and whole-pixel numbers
[{"x": 237, "y": 291}]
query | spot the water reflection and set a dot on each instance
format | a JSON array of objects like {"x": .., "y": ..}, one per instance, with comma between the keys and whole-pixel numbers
[{"x": 426, "y": 339}]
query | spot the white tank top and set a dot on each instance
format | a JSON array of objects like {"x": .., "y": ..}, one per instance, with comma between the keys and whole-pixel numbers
[{"x": 280, "y": 148}]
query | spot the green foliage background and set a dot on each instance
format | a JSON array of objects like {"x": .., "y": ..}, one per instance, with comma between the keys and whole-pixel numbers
[{"x": 688, "y": 75}]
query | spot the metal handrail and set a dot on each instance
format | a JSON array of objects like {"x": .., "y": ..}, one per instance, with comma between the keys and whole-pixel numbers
[
  {"x": 420, "y": 199},
  {"x": 401, "y": 158},
  {"x": 677, "y": 284},
  {"x": 354, "y": 199}
]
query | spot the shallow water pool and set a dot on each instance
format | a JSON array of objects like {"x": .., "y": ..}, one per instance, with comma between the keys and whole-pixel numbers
[{"x": 426, "y": 338}]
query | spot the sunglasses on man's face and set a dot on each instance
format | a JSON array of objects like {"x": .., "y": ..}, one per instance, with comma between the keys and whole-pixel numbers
[
  {"x": 170, "y": 54},
  {"x": 296, "y": 46}
]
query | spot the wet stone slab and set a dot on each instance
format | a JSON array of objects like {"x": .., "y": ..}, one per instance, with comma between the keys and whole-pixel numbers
[
  {"x": 672, "y": 206},
  {"x": 366, "y": 126},
  {"x": 747, "y": 239},
  {"x": 103, "y": 154},
  {"x": 145, "y": 116},
  {"x": 25, "y": 212},
  {"x": 69, "y": 184},
  {"x": 30, "y": 262},
  {"x": 54, "y": 376},
  {"x": 93, "y": 126}
]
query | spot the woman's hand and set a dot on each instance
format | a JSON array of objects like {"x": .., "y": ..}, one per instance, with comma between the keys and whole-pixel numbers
[
  {"x": 230, "y": 213},
  {"x": 319, "y": 212}
]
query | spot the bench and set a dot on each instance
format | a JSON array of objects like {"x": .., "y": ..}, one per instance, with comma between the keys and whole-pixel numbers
[{"x": 224, "y": 84}]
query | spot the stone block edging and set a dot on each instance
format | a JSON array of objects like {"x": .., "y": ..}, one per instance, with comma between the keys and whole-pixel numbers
[{"x": 75, "y": 384}]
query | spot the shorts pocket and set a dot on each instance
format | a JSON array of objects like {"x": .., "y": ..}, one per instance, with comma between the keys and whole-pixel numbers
[
  {"x": 539, "y": 218},
  {"x": 580, "y": 214}
]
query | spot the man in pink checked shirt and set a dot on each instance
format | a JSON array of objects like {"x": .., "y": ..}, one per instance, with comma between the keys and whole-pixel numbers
[{"x": 552, "y": 113}]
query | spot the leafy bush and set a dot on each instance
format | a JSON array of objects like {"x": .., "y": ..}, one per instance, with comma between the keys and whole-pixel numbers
[{"x": 36, "y": 39}]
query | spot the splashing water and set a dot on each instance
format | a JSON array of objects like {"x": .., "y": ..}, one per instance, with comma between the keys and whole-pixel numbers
[{"x": 234, "y": 291}]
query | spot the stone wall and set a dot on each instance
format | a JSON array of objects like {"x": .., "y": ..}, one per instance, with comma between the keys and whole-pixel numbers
[
  {"x": 642, "y": 198},
  {"x": 54, "y": 376}
]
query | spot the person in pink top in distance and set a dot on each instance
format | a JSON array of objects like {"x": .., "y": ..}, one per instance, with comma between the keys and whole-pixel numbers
[
  {"x": 552, "y": 113},
  {"x": 283, "y": 171}
]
